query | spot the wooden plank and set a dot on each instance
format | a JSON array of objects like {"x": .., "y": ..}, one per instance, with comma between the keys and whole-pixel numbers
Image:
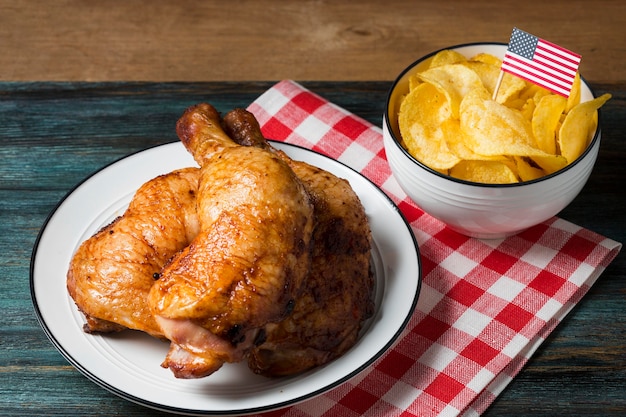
[
  {"x": 186, "y": 40},
  {"x": 55, "y": 134}
]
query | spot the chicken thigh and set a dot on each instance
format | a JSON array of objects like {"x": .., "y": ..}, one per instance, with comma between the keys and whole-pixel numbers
[
  {"x": 338, "y": 293},
  {"x": 247, "y": 264},
  {"x": 111, "y": 273}
]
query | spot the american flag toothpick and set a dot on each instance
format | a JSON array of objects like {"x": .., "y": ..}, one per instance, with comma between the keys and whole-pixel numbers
[{"x": 540, "y": 62}]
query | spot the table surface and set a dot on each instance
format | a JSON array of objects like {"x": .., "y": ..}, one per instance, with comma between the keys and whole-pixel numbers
[
  {"x": 85, "y": 83},
  {"x": 56, "y": 134}
]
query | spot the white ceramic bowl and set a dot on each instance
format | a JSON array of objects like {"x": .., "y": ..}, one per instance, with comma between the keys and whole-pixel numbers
[{"x": 475, "y": 209}]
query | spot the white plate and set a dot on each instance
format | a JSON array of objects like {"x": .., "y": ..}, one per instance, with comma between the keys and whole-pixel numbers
[{"x": 128, "y": 363}]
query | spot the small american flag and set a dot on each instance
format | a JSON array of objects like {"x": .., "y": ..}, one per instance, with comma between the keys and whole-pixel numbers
[{"x": 541, "y": 62}]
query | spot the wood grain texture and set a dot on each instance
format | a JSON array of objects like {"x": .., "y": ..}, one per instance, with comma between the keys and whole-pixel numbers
[
  {"x": 54, "y": 135},
  {"x": 186, "y": 40}
]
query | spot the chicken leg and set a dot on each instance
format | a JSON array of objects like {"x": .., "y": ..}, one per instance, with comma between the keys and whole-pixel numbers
[
  {"x": 247, "y": 264},
  {"x": 111, "y": 273},
  {"x": 338, "y": 293}
]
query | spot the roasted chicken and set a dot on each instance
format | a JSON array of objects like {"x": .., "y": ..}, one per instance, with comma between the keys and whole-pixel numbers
[
  {"x": 338, "y": 293},
  {"x": 246, "y": 266},
  {"x": 111, "y": 273},
  {"x": 254, "y": 256}
]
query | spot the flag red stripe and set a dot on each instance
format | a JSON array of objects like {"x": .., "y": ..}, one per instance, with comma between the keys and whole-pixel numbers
[
  {"x": 568, "y": 60},
  {"x": 539, "y": 80},
  {"x": 535, "y": 68},
  {"x": 544, "y": 80},
  {"x": 523, "y": 71},
  {"x": 566, "y": 53},
  {"x": 555, "y": 89},
  {"x": 556, "y": 59},
  {"x": 554, "y": 66}
]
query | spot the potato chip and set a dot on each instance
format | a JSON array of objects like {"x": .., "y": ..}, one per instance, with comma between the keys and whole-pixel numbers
[
  {"x": 420, "y": 120},
  {"x": 456, "y": 143},
  {"x": 528, "y": 109},
  {"x": 450, "y": 121},
  {"x": 545, "y": 119},
  {"x": 549, "y": 163},
  {"x": 446, "y": 57},
  {"x": 487, "y": 59},
  {"x": 510, "y": 88},
  {"x": 487, "y": 73},
  {"x": 455, "y": 80},
  {"x": 526, "y": 170},
  {"x": 593, "y": 125},
  {"x": 574, "y": 135},
  {"x": 534, "y": 92},
  {"x": 414, "y": 81},
  {"x": 487, "y": 172},
  {"x": 517, "y": 103},
  {"x": 493, "y": 129},
  {"x": 574, "y": 94}
]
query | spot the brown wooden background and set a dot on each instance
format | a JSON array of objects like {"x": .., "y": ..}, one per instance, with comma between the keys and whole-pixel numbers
[{"x": 185, "y": 40}]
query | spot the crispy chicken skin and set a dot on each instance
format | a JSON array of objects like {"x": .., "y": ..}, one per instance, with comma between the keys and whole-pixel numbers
[
  {"x": 338, "y": 293},
  {"x": 249, "y": 260},
  {"x": 111, "y": 273}
]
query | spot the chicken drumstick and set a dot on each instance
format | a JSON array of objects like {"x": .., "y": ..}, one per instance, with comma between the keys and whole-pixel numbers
[
  {"x": 337, "y": 294},
  {"x": 247, "y": 264}
]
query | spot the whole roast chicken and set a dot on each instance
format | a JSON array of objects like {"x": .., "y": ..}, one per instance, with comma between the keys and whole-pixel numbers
[
  {"x": 111, "y": 273},
  {"x": 337, "y": 296},
  {"x": 246, "y": 266}
]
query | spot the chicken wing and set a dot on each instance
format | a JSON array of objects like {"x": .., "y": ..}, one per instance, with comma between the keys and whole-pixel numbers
[
  {"x": 338, "y": 293},
  {"x": 247, "y": 264},
  {"x": 111, "y": 273}
]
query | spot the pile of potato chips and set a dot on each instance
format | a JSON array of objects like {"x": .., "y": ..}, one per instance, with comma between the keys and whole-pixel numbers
[{"x": 450, "y": 121}]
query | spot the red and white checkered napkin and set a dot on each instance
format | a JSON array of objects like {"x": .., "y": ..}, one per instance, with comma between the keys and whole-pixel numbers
[{"x": 484, "y": 306}]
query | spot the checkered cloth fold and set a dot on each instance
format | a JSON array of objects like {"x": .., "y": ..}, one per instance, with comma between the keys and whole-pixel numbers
[{"x": 485, "y": 305}]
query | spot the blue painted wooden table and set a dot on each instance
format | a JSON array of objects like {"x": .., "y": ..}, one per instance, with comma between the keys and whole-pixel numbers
[{"x": 53, "y": 135}]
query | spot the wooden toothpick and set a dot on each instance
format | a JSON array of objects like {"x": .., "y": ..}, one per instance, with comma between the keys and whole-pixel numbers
[{"x": 495, "y": 90}]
